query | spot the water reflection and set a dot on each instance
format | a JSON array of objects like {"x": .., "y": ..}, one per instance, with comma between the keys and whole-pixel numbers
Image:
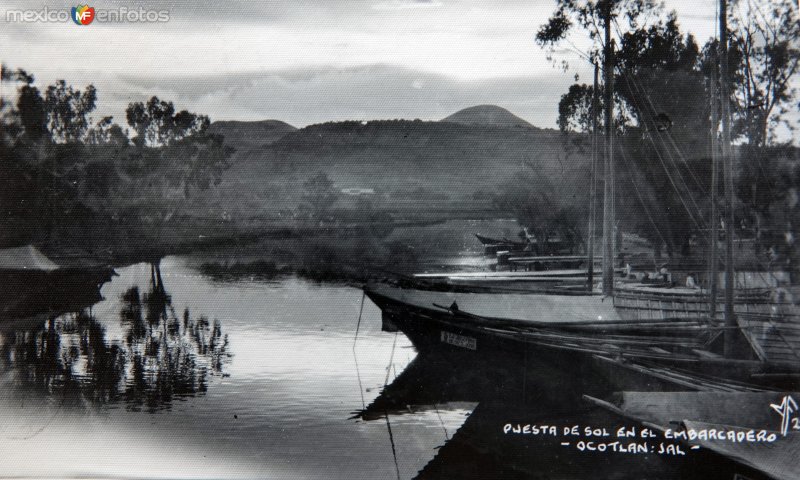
[
  {"x": 161, "y": 356},
  {"x": 481, "y": 448}
]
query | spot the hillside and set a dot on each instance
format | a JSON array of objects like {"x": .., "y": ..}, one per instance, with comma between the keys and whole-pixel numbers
[
  {"x": 242, "y": 135},
  {"x": 415, "y": 168},
  {"x": 489, "y": 115}
]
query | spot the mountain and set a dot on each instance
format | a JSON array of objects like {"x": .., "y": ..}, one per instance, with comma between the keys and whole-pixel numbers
[
  {"x": 250, "y": 134},
  {"x": 488, "y": 115},
  {"x": 411, "y": 166}
]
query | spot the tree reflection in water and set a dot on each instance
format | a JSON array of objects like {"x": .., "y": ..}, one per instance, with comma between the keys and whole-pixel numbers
[{"x": 160, "y": 358}]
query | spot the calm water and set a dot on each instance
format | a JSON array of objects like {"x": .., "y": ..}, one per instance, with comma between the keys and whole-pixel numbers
[
  {"x": 235, "y": 379},
  {"x": 191, "y": 377}
]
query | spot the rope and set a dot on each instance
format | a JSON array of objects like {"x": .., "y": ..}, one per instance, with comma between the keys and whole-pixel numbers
[
  {"x": 669, "y": 155},
  {"x": 386, "y": 412},
  {"x": 391, "y": 440},
  {"x": 642, "y": 202},
  {"x": 391, "y": 361},
  {"x": 636, "y": 88},
  {"x": 671, "y": 180},
  {"x": 355, "y": 357},
  {"x": 358, "y": 325},
  {"x": 669, "y": 135},
  {"x": 360, "y": 385},
  {"x": 441, "y": 422}
]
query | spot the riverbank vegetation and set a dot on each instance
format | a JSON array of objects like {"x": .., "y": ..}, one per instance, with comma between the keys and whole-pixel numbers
[
  {"x": 666, "y": 95},
  {"x": 119, "y": 194},
  {"x": 323, "y": 200}
]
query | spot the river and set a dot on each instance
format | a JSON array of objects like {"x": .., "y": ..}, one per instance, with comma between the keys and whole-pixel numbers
[
  {"x": 180, "y": 375},
  {"x": 223, "y": 379}
]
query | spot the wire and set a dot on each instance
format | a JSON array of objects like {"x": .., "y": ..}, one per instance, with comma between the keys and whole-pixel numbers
[
  {"x": 641, "y": 199},
  {"x": 355, "y": 357},
  {"x": 642, "y": 93},
  {"x": 386, "y": 412},
  {"x": 697, "y": 223},
  {"x": 358, "y": 325},
  {"x": 633, "y": 84},
  {"x": 441, "y": 422}
]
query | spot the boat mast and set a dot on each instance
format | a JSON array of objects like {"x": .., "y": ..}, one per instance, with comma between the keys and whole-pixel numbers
[
  {"x": 593, "y": 186},
  {"x": 714, "y": 260},
  {"x": 727, "y": 161},
  {"x": 608, "y": 187}
]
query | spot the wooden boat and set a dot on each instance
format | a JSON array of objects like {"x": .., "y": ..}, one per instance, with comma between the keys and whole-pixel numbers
[
  {"x": 509, "y": 278},
  {"x": 597, "y": 345},
  {"x": 641, "y": 337},
  {"x": 481, "y": 449},
  {"x": 738, "y": 412},
  {"x": 496, "y": 392},
  {"x": 531, "y": 246},
  {"x": 492, "y": 246},
  {"x": 497, "y": 241},
  {"x": 31, "y": 283}
]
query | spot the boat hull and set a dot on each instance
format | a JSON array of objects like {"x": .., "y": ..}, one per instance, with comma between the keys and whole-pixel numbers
[
  {"x": 25, "y": 293},
  {"x": 548, "y": 374},
  {"x": 579, "y": 361}
]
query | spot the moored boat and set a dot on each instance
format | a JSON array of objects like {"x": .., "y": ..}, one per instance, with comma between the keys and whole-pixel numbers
[
  {"x": 752, "y": 429},
  {"x": 497, "y": 241},
  {"x": 594, "y": 344},
  {"x": 32, "y": 283},
  {"x": 674, "y": 337}
]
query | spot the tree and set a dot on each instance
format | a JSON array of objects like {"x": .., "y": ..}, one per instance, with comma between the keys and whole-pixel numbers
[
  {"x": 68, "y": 111},
  {"x": 575, "y": 109},
  {"x": 156, "y": 123},
  {"x": 656, "y": 72},
  {"x": 658, "y": 78},
  {"x": 196, "y": 162},
  {"x": 10, "y": 126},
  {"x": 32, "y": 113},
  {"x": 137, "y": 118},
  {"x": 107, "y": 132},
  {"x": 661, "y": 100},
  {"x": 767, "y": 34},
  {"x": 589, "y": 15},
  {"x": 18, "y": 75},
  {"x": 320, "y": 195},
  {"x": 547, "y": 210},
  {"x": 183, "y": 153}
]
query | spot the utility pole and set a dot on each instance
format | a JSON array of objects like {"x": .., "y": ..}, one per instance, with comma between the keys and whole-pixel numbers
[
  {"x": 608, "y": 187},
  {"x": 727, "y": 161}
]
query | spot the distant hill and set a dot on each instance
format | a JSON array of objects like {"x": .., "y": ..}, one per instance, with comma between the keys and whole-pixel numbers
[
  {"x": 411, "y": 166},
  {"x": 489, "y": 115},
  {"x": 248, "y": 134}
]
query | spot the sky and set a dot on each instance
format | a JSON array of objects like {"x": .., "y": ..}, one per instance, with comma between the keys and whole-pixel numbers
[{"x": 307, "y": 62}]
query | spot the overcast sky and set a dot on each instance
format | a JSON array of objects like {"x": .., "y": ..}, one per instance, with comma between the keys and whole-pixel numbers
[{"x": 307, "y": 62}]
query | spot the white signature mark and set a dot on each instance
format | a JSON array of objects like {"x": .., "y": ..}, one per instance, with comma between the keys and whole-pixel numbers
[{"x": 785, "y": 409}]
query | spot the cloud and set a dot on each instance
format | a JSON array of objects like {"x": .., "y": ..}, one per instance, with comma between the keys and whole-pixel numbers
[
  {"x": 406, "y": 4},
  {"x": 307, "y": 61},
  {"x": 313, "y": 95}
]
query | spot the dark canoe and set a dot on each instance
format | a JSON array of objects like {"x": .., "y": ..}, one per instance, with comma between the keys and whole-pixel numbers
[
  {"x": 497, "y": 241},
  {"x": 720, "y": 411},
  {"x": 482, "y": 449},
  {"x": 31, "y": 283},
  {"x": 582, "y": 338},
  {"x": 28, "y": 293},
  {"x": 499, "y": 392}
]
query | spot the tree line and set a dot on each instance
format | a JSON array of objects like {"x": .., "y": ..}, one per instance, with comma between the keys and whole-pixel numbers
[
  {"x": 665, "y": 85},
  {"x": 69, "y": 180}
]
